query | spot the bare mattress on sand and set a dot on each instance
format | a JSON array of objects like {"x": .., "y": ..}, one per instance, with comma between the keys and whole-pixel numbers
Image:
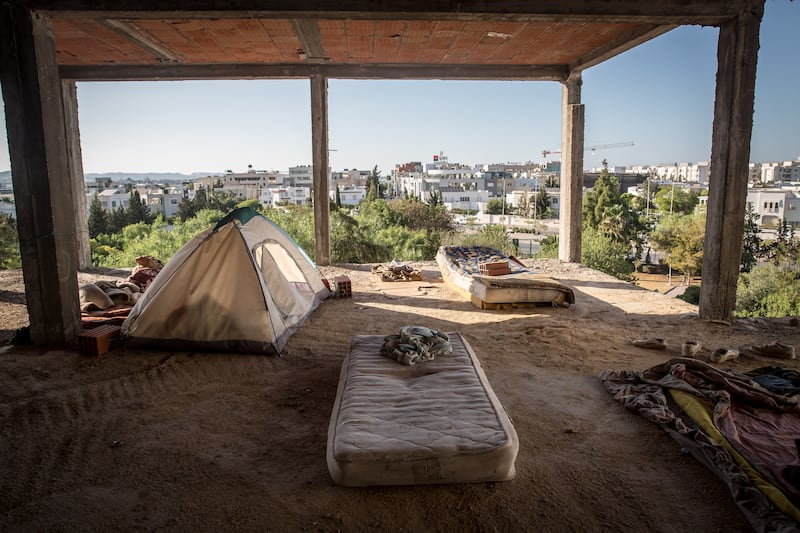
[{"x": 433, "y": 422}]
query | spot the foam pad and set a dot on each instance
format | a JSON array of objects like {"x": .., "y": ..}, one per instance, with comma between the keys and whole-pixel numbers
[{"x": 434, "y": 422}]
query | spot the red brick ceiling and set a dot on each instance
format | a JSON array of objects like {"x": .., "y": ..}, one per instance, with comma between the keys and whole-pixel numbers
[{"x": 146, "y": 41}]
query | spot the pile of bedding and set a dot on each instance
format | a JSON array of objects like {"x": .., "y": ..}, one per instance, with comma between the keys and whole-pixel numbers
[{"x": 742, "y": 426}]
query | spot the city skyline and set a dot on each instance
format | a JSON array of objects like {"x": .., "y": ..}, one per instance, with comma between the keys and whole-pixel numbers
[{"x": 658, "y": 96}]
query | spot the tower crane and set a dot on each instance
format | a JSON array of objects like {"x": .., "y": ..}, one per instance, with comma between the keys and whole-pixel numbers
[{"x": 593, "y": 148}]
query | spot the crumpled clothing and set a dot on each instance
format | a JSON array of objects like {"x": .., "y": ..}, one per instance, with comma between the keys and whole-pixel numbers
[
  {"x": 104, "y": 294},
  {"x": 416, "y": 344}
]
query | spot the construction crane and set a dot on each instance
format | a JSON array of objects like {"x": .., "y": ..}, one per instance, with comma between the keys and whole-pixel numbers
[{"x": 592, "y": 148}]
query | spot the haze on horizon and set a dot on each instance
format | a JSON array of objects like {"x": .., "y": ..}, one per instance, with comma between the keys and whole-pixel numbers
[{"x": 659, "y": 96}]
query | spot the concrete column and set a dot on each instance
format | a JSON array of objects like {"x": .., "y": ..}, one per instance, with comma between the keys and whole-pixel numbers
[
  {"x": 319, "y": 139},
  {"x": 40, "y": 172},
  {"x": 737, "y": 55},
  {"x": 572, "y": 123},
  {"x": 73, "y": 136}
]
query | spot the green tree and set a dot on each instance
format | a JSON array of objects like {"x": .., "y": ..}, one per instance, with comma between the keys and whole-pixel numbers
[
  {"x": 200, "y": 200},
  {"x": 672, "y": 200},
  {"x": 374, "y": 183},
  {"x": 98, "y": 218},
  {"x": 751, "y": 241},
  {"x": 541, "y": 205},
  {"x": 351, "y": 243},
  {"x": 338, "y": 197},
  {"x": 221, "y": 201},
  {"x": 604, "y": 194},
  {"x": 9, "y": 243},
  {"x": 615, "y": 214},
  {"x": 682, "y": 238},
  {"x": 186, "y": 210},
  {"x": 495, "y": 206},
  {"x": 372, "y": 193},
  {"x": 117, "y": 219},
  {"x": 416, "y": 215},
  {"x": 784, "y": 248},
  {"x": 137, "y": 210}
]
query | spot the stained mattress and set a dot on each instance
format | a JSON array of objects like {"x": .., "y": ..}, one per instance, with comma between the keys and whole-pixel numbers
[
  {"x": 460, "y": 268},
  {"x": 434, "y": 422}
]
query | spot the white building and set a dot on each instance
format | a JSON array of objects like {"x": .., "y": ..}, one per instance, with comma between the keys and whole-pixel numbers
[
  {"x": 770, "y": 204},
  {"x": 285, "y": 195},
  {"x": 467, "y": 200},
  {"x": 418, "y": 187},
  {"x": 112, "y": 199},
  {"x": 163, "y": 201},
  {"x": 349, "y": 195},
  {"x": 684, "y": 172}
]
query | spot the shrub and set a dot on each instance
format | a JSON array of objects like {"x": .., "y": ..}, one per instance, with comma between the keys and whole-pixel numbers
[
  {"x": 691, "y": 295},
  {"x": 769, "y": 290},
  {"x": 601, "y": 252},
  {"x": 493, "y": 235}
]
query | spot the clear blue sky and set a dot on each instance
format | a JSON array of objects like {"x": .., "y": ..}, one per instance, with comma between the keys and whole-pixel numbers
[{"x": 659, "y": 96}]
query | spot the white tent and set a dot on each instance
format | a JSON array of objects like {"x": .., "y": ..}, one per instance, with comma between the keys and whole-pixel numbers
[{"x": 243, "y": 285}]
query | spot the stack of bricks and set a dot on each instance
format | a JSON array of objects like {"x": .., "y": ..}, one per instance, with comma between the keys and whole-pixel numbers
[
  {"x": 344, "y": 288},
  {"x": 97, "y": 341},
  {"x": 495, "y": 268}
]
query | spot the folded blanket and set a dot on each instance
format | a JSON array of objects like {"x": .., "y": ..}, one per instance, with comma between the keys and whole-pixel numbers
[{"x": 416, "y": 344}]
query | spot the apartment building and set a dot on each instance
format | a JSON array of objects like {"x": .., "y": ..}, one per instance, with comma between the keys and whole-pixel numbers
[
  {"x": 781, "y": 172},
  {"x": 285, "y": 196}
]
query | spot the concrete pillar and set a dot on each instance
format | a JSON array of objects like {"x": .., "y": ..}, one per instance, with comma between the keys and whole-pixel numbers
[
  {"x": 73, "y": 136},
  {"x": 571, "y": 212},
  {"x": 737, "y": 55},
  {"x": 319, "y": 139},
  {"x": 40, "y": 172}
]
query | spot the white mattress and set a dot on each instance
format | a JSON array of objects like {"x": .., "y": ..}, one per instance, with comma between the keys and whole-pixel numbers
[
  {"x": 434, "y": 422},
  {"x": 517, "y": 288}
]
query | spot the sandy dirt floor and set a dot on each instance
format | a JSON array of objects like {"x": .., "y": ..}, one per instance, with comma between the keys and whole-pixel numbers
[{"x": 172, "y": 441}]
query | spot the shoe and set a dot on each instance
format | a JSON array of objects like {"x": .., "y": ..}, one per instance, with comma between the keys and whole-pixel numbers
[
  {"x": 774, "y": 349},
  {"x": 651, "y": 344},
  {"x": 690, "y": 348},
  {"x": 724, "y": 354}
]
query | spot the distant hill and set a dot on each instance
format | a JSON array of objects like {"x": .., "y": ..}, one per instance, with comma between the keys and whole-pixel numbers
[
  {"x": 5, "y": 176},
  {"x": 152, "y": 176}
]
